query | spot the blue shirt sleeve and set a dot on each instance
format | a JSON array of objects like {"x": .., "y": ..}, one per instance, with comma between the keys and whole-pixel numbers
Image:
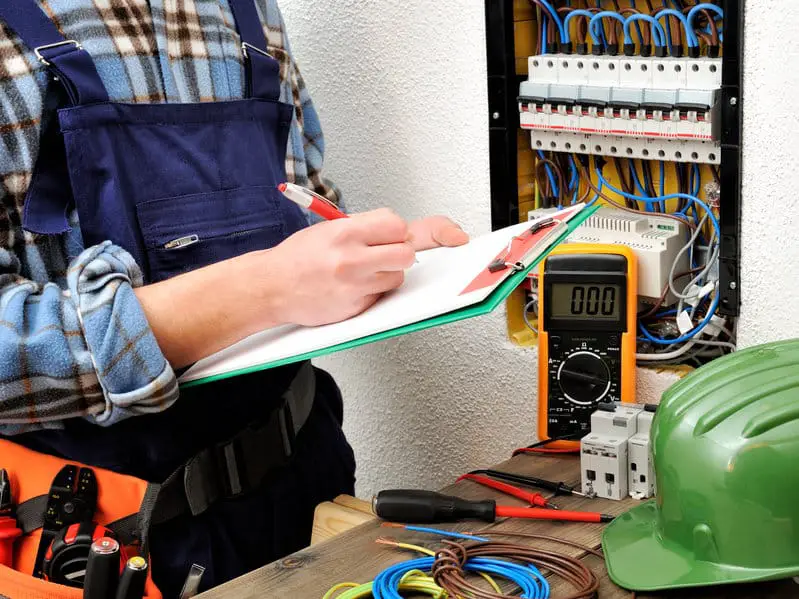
[{"x": 85, "y": 351}]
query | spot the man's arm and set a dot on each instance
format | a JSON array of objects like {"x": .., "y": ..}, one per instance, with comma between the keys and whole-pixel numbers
[{"x": 87, "y": 351}]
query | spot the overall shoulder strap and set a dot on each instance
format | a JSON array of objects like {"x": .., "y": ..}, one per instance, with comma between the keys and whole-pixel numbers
[
  {"x": 66, "y": 59},
  {"x": 262, "y": 71}
]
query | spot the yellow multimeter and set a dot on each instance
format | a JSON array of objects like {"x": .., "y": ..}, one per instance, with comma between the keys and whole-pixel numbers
[{"x": 587, "y": 312}]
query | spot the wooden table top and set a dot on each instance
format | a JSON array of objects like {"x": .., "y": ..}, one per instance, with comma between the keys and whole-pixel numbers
[{"x": 354, "y": 556}]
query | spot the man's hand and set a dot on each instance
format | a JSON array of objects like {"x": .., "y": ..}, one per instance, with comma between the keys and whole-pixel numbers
[
  {"x": 435, "y": 231},
  {"x": 334, "y": 270}
]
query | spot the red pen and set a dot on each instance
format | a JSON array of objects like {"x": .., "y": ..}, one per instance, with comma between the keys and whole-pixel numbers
[{"x": 306, "y": 198}]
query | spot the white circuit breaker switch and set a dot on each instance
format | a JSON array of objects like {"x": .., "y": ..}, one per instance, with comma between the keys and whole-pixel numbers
[
  {"x": 641, "y": 474},
  {"x": 603, "y": 452}
]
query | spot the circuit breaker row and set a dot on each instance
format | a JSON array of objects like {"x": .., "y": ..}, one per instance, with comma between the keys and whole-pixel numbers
[
  {"x": 615, "y": 456},
  {"x": 663, "y": 108}
]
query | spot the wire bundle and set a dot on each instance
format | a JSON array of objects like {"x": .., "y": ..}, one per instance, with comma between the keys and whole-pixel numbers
[
  {"x": 452, "y": 563},
  {"x": 451, "y": 566},
  {"x": 660, "y": 31}
]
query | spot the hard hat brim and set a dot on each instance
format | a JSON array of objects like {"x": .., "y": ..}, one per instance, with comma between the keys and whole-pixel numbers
[{"x": 638, "y": 559}]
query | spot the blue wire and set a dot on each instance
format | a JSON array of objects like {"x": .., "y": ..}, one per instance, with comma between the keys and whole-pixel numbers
[
  {"x": 543, "y": 36},
  {"x": 529, "y": 580},
  {"x": 550, "y": 176},
  {"x": 637, "y": 183},
  {"x": 656, "y": 28},
  {"x": 444, "y": 533},
  {"x": 647, "y": 336},
  {"x": 690, "y": 34},
  {"x": 696, "y": 9},
  {"x": 598, "y": 17},
  {"x": 574, "y": 13},
  {"x": 602, "y": 29},
  {"x": 553, "y": 14},
  {"x": 637, "y": 25}
]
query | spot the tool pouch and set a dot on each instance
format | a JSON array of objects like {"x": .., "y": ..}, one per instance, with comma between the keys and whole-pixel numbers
[{"x": 121, "y": 501}]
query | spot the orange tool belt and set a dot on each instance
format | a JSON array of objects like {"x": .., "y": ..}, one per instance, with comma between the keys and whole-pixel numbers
[{"x": 121, "y": 501}]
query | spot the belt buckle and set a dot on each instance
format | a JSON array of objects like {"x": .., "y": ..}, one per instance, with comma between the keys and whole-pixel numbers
[
  {"x": 245, "y": 460},
  {"x": 38, "y": 50}
]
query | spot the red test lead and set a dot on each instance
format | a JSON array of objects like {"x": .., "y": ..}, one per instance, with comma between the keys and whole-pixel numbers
[{"x": 534, "y": 499}]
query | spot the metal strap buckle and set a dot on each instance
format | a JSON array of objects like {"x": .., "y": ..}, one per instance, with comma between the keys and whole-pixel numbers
[
  {"x": 43, "y": 60},
  {"x": 245, "y": 46}
]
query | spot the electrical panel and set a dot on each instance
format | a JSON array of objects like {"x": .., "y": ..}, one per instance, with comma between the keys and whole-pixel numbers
[
  {"x": 635, "y": 106},
  {"x": 664, "y": 108}
]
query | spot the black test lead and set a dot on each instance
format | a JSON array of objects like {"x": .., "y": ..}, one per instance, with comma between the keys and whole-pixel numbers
[
  {"x": 102, "y": 569},
  {"x": 134, "y": 577}
]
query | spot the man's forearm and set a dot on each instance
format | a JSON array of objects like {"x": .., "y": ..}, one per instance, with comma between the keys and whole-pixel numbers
[{"x": 203, "y": 311}]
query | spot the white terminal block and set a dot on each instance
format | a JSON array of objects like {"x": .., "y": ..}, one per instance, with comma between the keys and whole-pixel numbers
[
  {"x": 641, "y": 472},
  {"x": 603, "y": 452},
  {"x": 649, "y": 108},
  {"x": 656, "y": 241}
]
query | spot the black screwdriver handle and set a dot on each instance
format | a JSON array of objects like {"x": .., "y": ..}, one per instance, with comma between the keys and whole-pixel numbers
[{"x": 427, "y": 507}]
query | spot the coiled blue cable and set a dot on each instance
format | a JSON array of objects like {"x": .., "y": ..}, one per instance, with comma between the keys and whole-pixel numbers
[{"x": 531, "y": 582}]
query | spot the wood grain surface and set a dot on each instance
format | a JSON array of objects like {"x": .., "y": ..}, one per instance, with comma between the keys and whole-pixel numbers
[{"x": 354, "y": 556}]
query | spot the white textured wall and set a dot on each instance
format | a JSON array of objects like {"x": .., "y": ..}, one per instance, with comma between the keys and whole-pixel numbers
[
  {"x": 401, "y": 91},
  {"x": 770, "y": 275}
]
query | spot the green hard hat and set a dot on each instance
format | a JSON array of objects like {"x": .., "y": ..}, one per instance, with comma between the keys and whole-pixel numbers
[{"x": 725, "y": 445}]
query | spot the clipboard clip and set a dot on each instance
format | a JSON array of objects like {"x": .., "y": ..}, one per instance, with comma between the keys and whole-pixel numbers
[{"x": 501, "y": 262}]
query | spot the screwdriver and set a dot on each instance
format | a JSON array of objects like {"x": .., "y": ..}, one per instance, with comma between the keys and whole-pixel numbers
[
  {"x": 133, "y": 580},
  {"x": 558, "y": 488},
  {"x": 415, "y": 506}
]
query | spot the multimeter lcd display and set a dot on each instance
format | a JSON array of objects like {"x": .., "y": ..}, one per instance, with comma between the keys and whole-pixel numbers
[{"x": 584, "y": 300}]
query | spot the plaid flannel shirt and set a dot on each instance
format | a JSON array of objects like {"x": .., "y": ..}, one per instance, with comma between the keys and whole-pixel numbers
[{"x": 74, "y": 341}]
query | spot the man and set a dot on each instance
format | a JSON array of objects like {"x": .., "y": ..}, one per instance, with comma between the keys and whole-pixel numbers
[{"x": 98, "y": 311}]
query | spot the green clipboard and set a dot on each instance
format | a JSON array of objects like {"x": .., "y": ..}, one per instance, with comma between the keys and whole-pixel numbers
[{"x": 489, "y": 304}]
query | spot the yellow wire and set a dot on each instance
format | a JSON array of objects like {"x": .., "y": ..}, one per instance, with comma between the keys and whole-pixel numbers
[{"x": 338, "y": 587}]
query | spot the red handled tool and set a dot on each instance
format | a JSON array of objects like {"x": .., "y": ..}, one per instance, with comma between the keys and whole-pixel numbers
[
  {"x": 413, "y": 506},
  {"x": 534, "y": 499},
  {"x": 9, "y": 531}
]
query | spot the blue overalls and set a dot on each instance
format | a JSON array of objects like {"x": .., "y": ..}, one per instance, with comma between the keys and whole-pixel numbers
[{"x": 181, "y": 186}]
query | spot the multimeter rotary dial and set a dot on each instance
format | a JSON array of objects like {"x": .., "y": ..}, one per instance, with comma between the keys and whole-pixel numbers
[{"x": 584, "y": 378}]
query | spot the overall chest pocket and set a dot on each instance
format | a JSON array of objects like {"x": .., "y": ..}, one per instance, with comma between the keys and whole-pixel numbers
[{"x": 188, "y": 232}]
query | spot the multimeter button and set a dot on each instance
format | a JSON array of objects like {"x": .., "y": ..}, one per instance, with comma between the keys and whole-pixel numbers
[
  {"x": 555, "y": 339},
  {"x": 613, "y": 340}
]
